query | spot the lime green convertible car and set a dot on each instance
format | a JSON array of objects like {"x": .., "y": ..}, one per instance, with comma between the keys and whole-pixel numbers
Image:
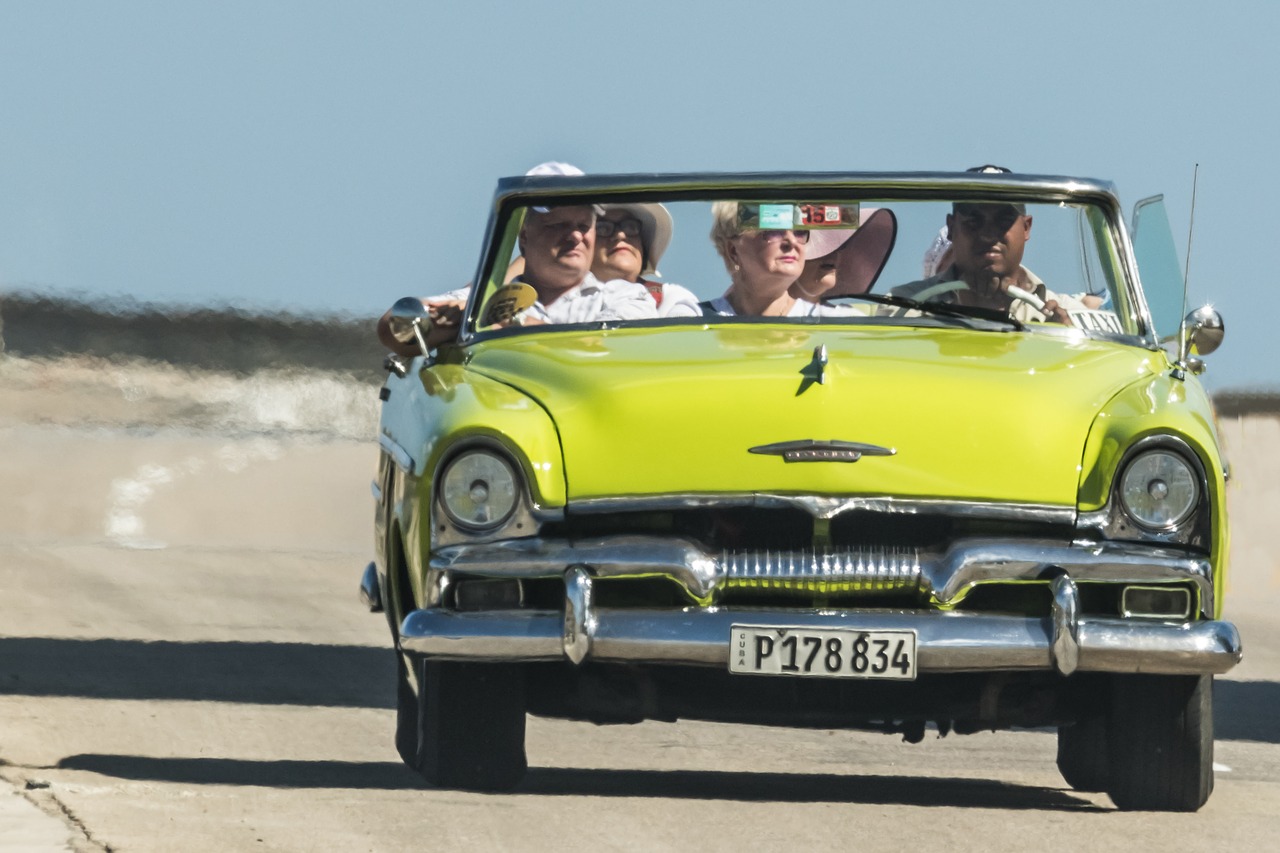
[{"x": 941, "y": 492}]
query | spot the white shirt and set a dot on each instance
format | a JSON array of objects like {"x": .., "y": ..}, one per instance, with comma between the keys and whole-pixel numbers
[
  {"x": 678, "y": 301},
  {"x": 800, "y": 308},
  {"x": 594, "y": 300}
]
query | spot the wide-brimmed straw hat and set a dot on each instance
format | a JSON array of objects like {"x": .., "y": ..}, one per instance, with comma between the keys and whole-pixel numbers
[
  {"x": 656, "y": 228},
  {"x": 869, "y": 247}
]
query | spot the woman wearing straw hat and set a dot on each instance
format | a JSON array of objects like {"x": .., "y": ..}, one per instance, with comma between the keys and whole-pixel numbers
[
  {"x": 630, "y": 240},
  {"x": 846, "y": 262},
  {"x": 763, "y": 265}
]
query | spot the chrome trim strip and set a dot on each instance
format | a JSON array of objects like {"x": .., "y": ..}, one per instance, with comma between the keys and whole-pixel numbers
[
  {"x": 397, "y": 453},
  {"x": 905, "y": 185},
  {"x": 370, "y": 589},
  {"x": 612, "y": 556},
  {"x": 830, "y": 507},
  {"x": 946, "y": 642},
  {"x": 944, "y": 578}
]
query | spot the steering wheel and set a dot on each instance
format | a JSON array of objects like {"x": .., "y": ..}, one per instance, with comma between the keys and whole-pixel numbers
[
  {"x": 1030, "y": 298},
  {"x": 949, "y": 286}
]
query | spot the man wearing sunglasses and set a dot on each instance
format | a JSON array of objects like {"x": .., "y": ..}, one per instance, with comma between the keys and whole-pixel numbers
[{"x": 557, "y": 249}]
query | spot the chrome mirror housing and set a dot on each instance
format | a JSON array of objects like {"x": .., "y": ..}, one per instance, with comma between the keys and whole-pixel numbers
[
  {"x": 410, "y": 321},
  {"x": 1202, "y": 331}
]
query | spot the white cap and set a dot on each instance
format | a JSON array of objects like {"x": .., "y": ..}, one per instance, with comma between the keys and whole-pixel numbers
[{"x": 555, "y": 167}]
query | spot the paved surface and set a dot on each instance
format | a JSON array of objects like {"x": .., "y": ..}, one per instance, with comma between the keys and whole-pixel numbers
[{"x": 184, "y": 666}]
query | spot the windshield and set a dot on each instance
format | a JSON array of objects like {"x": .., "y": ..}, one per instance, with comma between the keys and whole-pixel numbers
[{"x": 987, "y": 264}]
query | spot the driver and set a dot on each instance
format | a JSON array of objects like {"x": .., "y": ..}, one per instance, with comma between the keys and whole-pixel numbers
[{"x": 987, "y": 244}]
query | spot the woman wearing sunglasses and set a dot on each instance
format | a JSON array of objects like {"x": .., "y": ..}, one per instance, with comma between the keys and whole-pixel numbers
[
  {"x": 763, "y": 264},
  {"x": 630, "y": 240}
]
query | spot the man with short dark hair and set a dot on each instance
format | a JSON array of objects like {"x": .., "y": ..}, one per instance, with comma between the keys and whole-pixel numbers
[{"x": 988, "y": 240}]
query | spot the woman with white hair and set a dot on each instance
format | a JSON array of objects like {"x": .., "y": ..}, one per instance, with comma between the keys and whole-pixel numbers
[{"x": 763, "y": 264}]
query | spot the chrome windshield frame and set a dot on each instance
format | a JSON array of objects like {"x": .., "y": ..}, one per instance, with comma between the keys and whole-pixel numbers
[{"x": 516, "y": 192}]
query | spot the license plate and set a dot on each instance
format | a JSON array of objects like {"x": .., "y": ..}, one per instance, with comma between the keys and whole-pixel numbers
[{"x": 822, "y": 652}]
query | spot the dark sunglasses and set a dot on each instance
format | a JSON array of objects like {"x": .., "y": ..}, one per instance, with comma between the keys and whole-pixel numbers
[
  {"x": 628, "y": 227},
  {"x": 773, "y": 236}
]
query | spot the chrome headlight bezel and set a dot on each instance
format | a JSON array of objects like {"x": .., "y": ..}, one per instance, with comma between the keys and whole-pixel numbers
[
  {"x": 524, "y": 519},
  {"x": 479, "y": 489},
  {"x": 1115, "y": 521},
  {"x": 1159, "y": 489}
]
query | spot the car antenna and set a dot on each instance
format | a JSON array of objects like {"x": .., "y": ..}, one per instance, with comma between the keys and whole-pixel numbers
[{"x": 1183, "y": 343}]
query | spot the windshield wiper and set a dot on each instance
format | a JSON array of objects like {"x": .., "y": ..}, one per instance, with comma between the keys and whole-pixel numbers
[{"x": 940, "y": 309}]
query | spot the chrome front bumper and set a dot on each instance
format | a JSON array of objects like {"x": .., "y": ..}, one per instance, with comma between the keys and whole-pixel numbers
[{"x": 946, "y": 641}]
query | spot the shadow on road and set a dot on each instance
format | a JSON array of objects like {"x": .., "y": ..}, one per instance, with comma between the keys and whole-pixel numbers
[
  {"x": 259, "y": 673},
  {"x": 577, "y": 782},
  {"x": 1246, "y": 710},
  {"x": 376, "y": 775},
  {"x": 798, "y": 788},
  {"x": 349, "y": 677}
]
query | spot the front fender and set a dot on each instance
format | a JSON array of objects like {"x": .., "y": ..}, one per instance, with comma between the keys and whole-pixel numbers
[
  {"x": 426, "y": 414},
  {"x": 1159, "y": 404}
]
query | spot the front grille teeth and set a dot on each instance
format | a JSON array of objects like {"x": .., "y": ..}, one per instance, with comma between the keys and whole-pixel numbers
[{"x": 872, "y": 571}]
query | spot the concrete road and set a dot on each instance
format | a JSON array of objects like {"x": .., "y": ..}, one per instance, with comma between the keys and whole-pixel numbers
[{"x": 184, "y": 666}]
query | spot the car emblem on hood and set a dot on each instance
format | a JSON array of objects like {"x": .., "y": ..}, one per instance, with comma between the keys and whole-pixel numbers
[
  {"x": 815, "y": 370},
  {"x": 812, "y": 450}
]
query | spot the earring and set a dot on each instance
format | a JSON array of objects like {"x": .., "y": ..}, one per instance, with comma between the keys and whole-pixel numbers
[{"x": 737, "y": 268}]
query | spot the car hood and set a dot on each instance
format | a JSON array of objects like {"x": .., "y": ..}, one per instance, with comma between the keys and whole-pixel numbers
[{"x": 981, "y": 416}]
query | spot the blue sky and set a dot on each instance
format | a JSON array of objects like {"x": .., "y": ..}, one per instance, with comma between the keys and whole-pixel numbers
[{"x": 334, "y": 156}]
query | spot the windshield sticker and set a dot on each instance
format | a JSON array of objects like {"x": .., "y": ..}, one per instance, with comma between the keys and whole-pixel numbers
[
  {"x": 770, "y": 217},
  {"x": 776, "y": 216}
]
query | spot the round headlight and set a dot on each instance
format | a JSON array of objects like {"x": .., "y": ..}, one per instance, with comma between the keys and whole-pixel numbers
[
  {"x": 478, "y": 489},
  {"x": 1159, "y": 489}
]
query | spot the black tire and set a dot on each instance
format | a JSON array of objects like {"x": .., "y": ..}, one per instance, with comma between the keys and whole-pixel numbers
[
  {"x": 1082, "y": 753},
  {"x": 1161, "y": 742},
  {"x": 470, "y": 725},
  {"x": 406, "y": 716}
]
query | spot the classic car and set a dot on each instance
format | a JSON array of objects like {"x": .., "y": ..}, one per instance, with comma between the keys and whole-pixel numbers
[{"x": 909, "y": 515}]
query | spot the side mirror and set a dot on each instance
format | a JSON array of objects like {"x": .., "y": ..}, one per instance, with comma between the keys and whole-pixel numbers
[
  {"x": 1202, "y": 331},
  {"x": 410, "y": 322}
]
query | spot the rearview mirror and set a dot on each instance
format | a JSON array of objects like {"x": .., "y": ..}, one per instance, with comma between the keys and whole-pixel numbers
[
  {"x": 1202, "y": 331},
  {"x": 410, "y": 321}
]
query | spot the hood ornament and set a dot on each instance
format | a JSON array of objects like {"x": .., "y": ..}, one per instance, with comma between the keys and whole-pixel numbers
[
  {"x": 815, "y": 371},
  {"x": 812, "y": 450}
]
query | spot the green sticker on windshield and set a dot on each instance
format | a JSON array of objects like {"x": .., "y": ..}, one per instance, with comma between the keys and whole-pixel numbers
[
  {"x": 808, "y": 215},
  {"x": 775, "y": 216}
]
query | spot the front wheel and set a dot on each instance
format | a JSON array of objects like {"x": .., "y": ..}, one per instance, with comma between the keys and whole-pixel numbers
[
  {"x": 1082, "y": 753},
  {"x": 406, "y": 715},
  {"x": 470, "y": 722},
  {"x": 1160, "y": 737}
]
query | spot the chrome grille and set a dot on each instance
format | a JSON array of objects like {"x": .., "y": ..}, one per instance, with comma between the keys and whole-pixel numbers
[{"x": 861, "y": 570}]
